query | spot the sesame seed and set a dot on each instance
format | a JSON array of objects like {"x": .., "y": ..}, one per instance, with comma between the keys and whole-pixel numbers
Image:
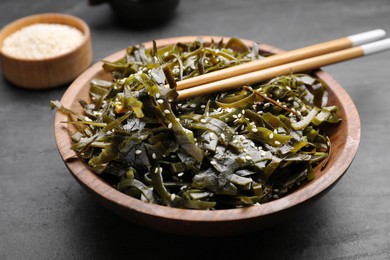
[
  {"x": 138, "y": 151},
  {"x": 248, "y": 157},
  {"x": 239, "y": 115},
  {"x": 223, "y": 136},
  {"x": 166, "y": 111},
  {"x": 158, "y": 95},
  {"x": 180, "y": 174},
  {"x": 46, "y": 41},
  {"x": 154, "y": 156},
  {"x": 252, "y": 144},
  {"x": 275, "y": 131},
  {"x": 235, "y": 141},
  {"x": 177, "y": 119},
  {"x": 243, "y": 112},
  {"x": 202, "y": 106},
  {"x": 170, "y": 125},
  {"x": 288, "y": 88},
  {"x": 254, "y": 130},
  {"x": 271, "y": 135},
  {"x": 277, "y": 142},
  {"x": 160, "y": 101},
  {"x": 203, "y": 121},
  {"x": 234, "y": 116},
  {"x": 193, "y": 105},
  {"x": 173, "y": 196}
]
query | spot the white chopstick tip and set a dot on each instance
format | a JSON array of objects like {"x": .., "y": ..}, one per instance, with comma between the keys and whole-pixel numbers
[
  {"x": 366, "y": 37},
  {"x": 375, "y": 47}
]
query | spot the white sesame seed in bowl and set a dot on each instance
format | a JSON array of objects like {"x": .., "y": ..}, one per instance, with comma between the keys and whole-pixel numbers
[
  {"x": 41, "y": 41},
  {"x": 45, "y": 50}
]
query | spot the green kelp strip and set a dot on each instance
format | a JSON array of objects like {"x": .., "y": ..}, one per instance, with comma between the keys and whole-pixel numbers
[{"x": 225, "y": 150}]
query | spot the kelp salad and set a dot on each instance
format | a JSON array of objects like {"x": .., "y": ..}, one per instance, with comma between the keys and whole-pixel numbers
[{"x": 226, "y": 150}]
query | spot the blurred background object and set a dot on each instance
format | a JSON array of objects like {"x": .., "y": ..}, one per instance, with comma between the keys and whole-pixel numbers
[{"x": 141, "y": 13}]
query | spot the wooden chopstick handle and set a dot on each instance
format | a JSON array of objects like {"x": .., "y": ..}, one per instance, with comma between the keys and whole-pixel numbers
[
  {"x": 285, "y": 69},
  {"x": 283, "y": 58},
  {"x": 266, "y": 74},
  {"x": 265, "y": 63}
]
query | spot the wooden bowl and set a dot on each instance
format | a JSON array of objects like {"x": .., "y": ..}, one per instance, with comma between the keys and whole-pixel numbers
[
  {"x": 50, "y": 72},
  {"x": 345, "y": 141}
]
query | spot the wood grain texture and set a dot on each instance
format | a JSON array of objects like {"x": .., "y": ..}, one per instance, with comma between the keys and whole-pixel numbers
[
  {"x": 345, "y": 141},
  {"x": 49, "y": 72}
]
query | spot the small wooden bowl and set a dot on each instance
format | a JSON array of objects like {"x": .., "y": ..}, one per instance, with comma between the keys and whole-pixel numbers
[
  {"x": 345, "y": 141},
  {"x": 50, "y": 72}
]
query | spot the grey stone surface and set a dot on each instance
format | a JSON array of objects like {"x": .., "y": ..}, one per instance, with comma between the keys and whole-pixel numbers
[{"x": 45, "y": 214}]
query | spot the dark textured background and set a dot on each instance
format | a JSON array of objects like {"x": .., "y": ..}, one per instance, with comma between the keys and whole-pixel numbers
[{"x": 45, "y": 214}]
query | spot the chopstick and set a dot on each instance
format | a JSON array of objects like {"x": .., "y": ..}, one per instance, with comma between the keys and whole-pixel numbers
[
  {"x": 284, "y": 69},
  {"x": 283, "y": 58}
]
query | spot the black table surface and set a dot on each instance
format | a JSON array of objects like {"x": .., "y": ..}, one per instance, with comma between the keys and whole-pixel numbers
[{"x": 45, "y": 214}]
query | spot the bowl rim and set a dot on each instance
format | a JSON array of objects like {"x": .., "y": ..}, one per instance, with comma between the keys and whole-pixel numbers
[
  {"x": 17, "y": 24},
  {"x": 109, "y": 195}
]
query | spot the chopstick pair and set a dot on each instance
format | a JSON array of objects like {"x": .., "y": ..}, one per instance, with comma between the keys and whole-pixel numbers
[{"x": 295, "y": 61}]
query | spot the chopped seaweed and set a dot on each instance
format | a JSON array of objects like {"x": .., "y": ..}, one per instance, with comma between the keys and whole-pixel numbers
[{"x": 225, "y": 150}]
